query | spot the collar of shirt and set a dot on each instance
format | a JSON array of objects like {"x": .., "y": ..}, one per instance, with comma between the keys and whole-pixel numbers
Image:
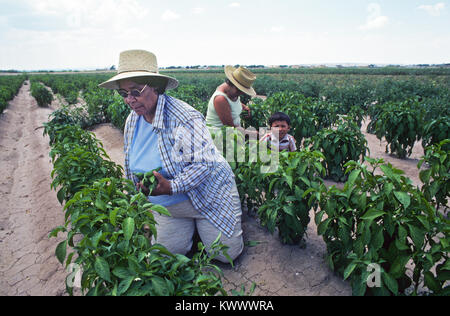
[{"x": 270, "y": 136}]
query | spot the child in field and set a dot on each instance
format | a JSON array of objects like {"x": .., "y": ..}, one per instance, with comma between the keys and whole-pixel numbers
[{"x": 281, "y": 123}]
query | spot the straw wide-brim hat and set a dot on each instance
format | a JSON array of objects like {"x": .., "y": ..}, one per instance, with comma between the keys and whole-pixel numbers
[
  {"x": 242, "y": 78},
  {"x": 134, "y": 64}
]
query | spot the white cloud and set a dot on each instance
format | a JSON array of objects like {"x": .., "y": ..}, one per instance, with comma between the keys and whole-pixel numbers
[
  {"x": 198, "y": 10},
  {"x": 374, "y": 20},
  {"x": 113, "y": 14},
  {"x": 51, "y": 7},
  {"x": 375, "y": 23},
  {"x": 434, "y": 10},
  {"x": 169, "y": 15},
  {"x": 277, "y": 29},
  {"x": 235, "y": 5},
  {"x": 61, "y": 34}
]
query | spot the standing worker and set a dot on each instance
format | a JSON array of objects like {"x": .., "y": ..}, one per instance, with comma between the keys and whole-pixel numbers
[{"x": 225, "y": 106}]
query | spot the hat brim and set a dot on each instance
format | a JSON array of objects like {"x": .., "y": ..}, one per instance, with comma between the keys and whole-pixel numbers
[
  {"x": 113, "y": 83},
  {"x": 229, "y": 73}
]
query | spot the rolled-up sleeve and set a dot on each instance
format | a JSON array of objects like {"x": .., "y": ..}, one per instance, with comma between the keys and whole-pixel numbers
[{"x": 128, "y": 134}]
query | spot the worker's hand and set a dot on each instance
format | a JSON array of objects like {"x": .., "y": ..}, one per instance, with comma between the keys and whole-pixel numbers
[
  {"x": 164, "y": 187},
  {"x": 247, "y": 108},
  {"x": 142, "y": 188}
]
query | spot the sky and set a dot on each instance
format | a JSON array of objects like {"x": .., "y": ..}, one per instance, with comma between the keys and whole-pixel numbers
[{"x": 90, "y": 34}]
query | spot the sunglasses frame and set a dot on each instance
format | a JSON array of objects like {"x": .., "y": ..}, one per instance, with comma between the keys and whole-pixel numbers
[{"x": 124, "y": 94}]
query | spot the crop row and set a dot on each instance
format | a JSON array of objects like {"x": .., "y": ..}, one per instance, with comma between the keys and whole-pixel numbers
[
  {"x": 9, "y": 87},
  {"x": 344, "y": 88},
  {"x": 109, "y": 226},
  {"x": 401, "y": 123},
  {"x": 377, "y": 219},
  {"x": 366, "y": 71}
]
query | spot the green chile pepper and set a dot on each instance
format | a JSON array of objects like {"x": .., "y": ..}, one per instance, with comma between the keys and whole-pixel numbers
[
  {"x": 139, "y": 175},
  {"x": 148, "y": 179}
]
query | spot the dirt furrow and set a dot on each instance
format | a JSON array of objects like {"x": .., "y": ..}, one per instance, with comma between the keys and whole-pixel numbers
[{"x": 29, "y": 209}]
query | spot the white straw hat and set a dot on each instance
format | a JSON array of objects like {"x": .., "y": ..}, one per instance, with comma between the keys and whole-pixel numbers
[
  {"x": 242, "y": 78},
  {"x": 137, "y": 63}
]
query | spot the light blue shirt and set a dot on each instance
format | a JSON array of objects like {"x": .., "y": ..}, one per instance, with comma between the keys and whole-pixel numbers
[
  {"x": 144, "y": 157},
  {"x": 199, "y": 170}
]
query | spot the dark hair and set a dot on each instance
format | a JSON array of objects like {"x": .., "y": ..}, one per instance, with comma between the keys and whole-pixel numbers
[
  {"x": 228, "y": 82},
  {"x": 279, "y": 116}
]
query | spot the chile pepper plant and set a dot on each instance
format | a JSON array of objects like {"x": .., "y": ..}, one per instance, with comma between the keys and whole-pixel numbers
[
  {"x": 339, "y": 145},
  {"x": 383, "y": 219},
  {"x": 286, "y": 207},
  {"x": 401, "y": 124},
  {"x": 111, "y": 229},
  {"x": 115, "y": 253},
  {"x": 436, "y": 178}
]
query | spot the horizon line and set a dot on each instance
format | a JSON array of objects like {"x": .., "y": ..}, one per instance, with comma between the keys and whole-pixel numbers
[{"x": 323, "y": 65}]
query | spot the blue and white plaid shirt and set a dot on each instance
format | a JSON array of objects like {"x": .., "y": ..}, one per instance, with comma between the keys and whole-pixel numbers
[{"x": 192, "y": 161}]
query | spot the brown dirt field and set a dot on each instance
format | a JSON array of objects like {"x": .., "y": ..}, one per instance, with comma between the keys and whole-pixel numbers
[{"x": 29, "y": 210}]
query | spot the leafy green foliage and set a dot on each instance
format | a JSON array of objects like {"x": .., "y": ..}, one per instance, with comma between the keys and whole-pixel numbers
[
  {"x": 350, "y": 95},
  {"x": 97, "y": 101},
  {"x": 339, "y": 145},
  {"x": 68, "y": 86},
  {"x": 436, "y": 178},
  {"x": 261, "y": 112},
  {"x": 400, "y": 89},
  {"x": 374, "y": 112},
  {"x": 375, "y": 219},
  {"x": 9, "y": 87},
  {"x": 115, "y": 253},
  {"x": 437, "y": 131},
  {"x": 148, "y": 179},
  {"x": 306, "y": 114},
  {"x": 114, "y": 226},
  {"x": 79, "y": 159},
  {"x": 267, "y": 85},
  {"x": 286, "y": 206},
  {"x": 59, "y": 120},
  {"x": 41, "y": 94},
  {"x": 402, "y": 125},
  {"x": 117, "y": 112},
  {"x": 192, "y": 95},
  {"x": 382, "y": 219},
  {"x": 278, "y": 195}
]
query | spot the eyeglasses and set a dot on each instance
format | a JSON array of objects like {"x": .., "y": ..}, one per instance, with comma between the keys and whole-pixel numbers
[{"x": 134, "y": 93}]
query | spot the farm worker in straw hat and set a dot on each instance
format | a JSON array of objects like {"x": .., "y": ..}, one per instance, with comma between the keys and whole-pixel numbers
[
  {"x": 225, "y": 106},
  {"x": 195, "y": 183}
]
